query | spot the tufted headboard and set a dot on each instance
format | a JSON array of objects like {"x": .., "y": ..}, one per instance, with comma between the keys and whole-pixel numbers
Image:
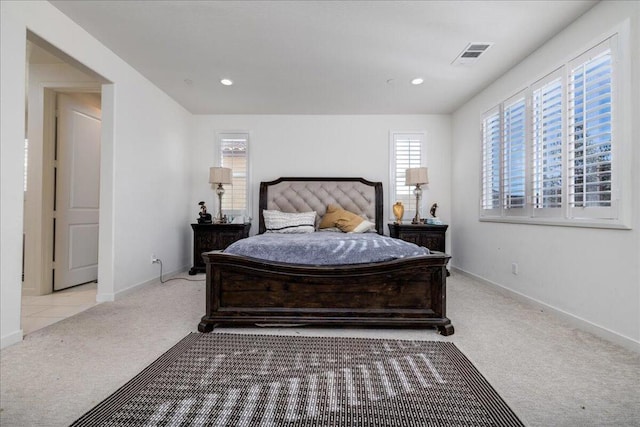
[{"x": 356, "y": 195}]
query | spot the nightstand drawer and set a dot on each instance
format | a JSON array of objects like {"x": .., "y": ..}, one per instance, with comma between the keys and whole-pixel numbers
[{"x": 433, "y": 241}]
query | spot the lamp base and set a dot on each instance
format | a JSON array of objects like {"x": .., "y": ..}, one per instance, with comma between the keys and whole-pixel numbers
[
  {"x": 220, "y": 219},
  {"x": 418, "y": 192}
]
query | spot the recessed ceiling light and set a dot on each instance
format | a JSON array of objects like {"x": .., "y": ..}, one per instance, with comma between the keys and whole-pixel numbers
[
  {"x": 417, "y": 81},
  {"x": 226, "y": 82}
]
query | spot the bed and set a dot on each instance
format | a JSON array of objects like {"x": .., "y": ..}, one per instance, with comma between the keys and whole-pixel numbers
[{"x": 245, "y": 290}]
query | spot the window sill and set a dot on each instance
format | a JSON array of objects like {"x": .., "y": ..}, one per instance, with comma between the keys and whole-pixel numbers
[{"x": 584, "y": 223}]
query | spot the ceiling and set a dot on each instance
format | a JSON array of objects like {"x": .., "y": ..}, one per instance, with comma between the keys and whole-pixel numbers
[{"x": 321, "y": 57}]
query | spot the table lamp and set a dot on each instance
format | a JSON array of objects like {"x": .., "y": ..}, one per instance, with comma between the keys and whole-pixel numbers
[
  {"x": 417, "y": 177},
  {"x": 219, "y": 175}
]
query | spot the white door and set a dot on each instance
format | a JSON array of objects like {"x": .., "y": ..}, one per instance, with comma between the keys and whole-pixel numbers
[{"x": 77, "y": 192}]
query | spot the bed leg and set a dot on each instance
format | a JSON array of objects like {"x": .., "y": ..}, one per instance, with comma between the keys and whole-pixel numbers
[
  {"x": 205, "y": 326},
  {"x": 446, "y": 330}
]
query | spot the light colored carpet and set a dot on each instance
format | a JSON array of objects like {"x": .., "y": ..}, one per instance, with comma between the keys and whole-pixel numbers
[{"x": 550, "y": 374}]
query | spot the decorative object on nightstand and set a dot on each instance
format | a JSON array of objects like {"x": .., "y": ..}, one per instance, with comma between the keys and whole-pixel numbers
[
  {"x": 219, "y": 175},
  {"x": 211, "y": 237},
  {"x": 433, "y": 209},
  {"x": 203, "y": 216},
  {"x": 398, "y": 212},
  {"x": 417, "y": 177},
  {"x": 434, "y": 220}
]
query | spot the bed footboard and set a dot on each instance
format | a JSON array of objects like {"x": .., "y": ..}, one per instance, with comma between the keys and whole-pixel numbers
[{"x": 400, "y": 293}]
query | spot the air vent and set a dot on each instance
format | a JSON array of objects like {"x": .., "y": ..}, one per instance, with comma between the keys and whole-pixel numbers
[{"x": 471, "y": 53}]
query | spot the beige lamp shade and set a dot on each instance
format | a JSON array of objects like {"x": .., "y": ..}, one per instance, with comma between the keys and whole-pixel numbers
[
  {"x": 218, "y": 175},
  {"x": 414, "y": 176}
]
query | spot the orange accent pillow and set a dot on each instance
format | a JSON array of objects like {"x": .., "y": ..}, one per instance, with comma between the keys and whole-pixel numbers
[{"x": 337, "y": 217}]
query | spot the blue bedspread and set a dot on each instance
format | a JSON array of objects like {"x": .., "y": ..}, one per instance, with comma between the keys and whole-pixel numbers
[{"x": 325, "y": 248}]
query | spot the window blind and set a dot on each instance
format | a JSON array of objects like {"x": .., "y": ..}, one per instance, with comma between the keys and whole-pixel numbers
[
  {"x": 547, "y": 105},
  {"x": 407, "y": 153},
  {"x": 491, "y": 161},
  {"x": 233, "y": 154},
  {"x": 561, "y": 145},
  {"x": 590, "y": 136},
  {"x": 514, "y": 154}
]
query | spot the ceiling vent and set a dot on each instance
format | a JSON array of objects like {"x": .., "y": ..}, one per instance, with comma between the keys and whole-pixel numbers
[{"x": 471, "y": 53}]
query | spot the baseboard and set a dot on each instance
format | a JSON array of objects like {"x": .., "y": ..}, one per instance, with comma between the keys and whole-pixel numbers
[
  {"x": 106, "y": 297},
  {"x": 569, "y": 318},
  {"x": 12, "y": 338}
]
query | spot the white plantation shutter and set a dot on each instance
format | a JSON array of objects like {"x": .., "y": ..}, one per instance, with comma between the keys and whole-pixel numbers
[
  {"x": 562, "y": 145},
  {"x": 491, "y": 162},
  {"x": 590, "y": 98},
  {"x": 233, "y": 148},
  {"x": 547, "y": 145},
  {"x": 514, "y": 155},
  {"x": 407, "y": 152}
]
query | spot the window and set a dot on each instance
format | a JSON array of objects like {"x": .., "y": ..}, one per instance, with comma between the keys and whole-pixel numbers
[
  {"x": 549, "y": 152},
  {"x": 407, "y": 151},
  {"x": 546, "y": 145},
  {"x": 491, "y": 161},
  {"x": 590, "y": 139},
  {"x": 514, "y": 155},
  {"x": 233, "y": 153}
]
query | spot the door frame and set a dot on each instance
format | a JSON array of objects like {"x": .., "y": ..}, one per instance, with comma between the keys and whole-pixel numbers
[
  {"x": 106, "y": 247},
  {"x": 39, "y": 264}
]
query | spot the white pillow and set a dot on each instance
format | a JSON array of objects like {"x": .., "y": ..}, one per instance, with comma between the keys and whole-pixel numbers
[
  {"x": 287, "y": 222},
  {"x": 363, "y": 227}
]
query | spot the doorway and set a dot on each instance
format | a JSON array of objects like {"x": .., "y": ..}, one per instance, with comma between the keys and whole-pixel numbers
[{"x": 62, "y": 179}]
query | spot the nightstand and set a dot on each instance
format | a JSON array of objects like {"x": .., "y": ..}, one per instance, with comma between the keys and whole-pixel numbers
[
  {"x": 427, "y": 235},
  {"x": 209, "y": 237}
]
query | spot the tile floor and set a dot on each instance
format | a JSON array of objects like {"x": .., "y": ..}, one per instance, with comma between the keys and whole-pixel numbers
[{"x": 41, "y": 311}]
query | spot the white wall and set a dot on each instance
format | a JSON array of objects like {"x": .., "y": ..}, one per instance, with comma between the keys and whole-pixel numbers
[
  {"x": 324, "y": 146},
  {"x": 592, "y": 276},
  {"x": 145, "y": 157}
]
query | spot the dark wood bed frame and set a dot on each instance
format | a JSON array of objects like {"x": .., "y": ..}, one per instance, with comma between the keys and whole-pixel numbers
[{"x": 400, "y": 293}]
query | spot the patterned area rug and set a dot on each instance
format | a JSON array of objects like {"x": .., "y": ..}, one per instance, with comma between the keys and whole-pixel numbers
[{"x": 266, "y": 380}]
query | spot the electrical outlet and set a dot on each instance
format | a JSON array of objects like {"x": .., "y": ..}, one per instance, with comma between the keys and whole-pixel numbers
[
  {"x": 514, "y": 268},
  {"x": 154, "y": 260}
]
